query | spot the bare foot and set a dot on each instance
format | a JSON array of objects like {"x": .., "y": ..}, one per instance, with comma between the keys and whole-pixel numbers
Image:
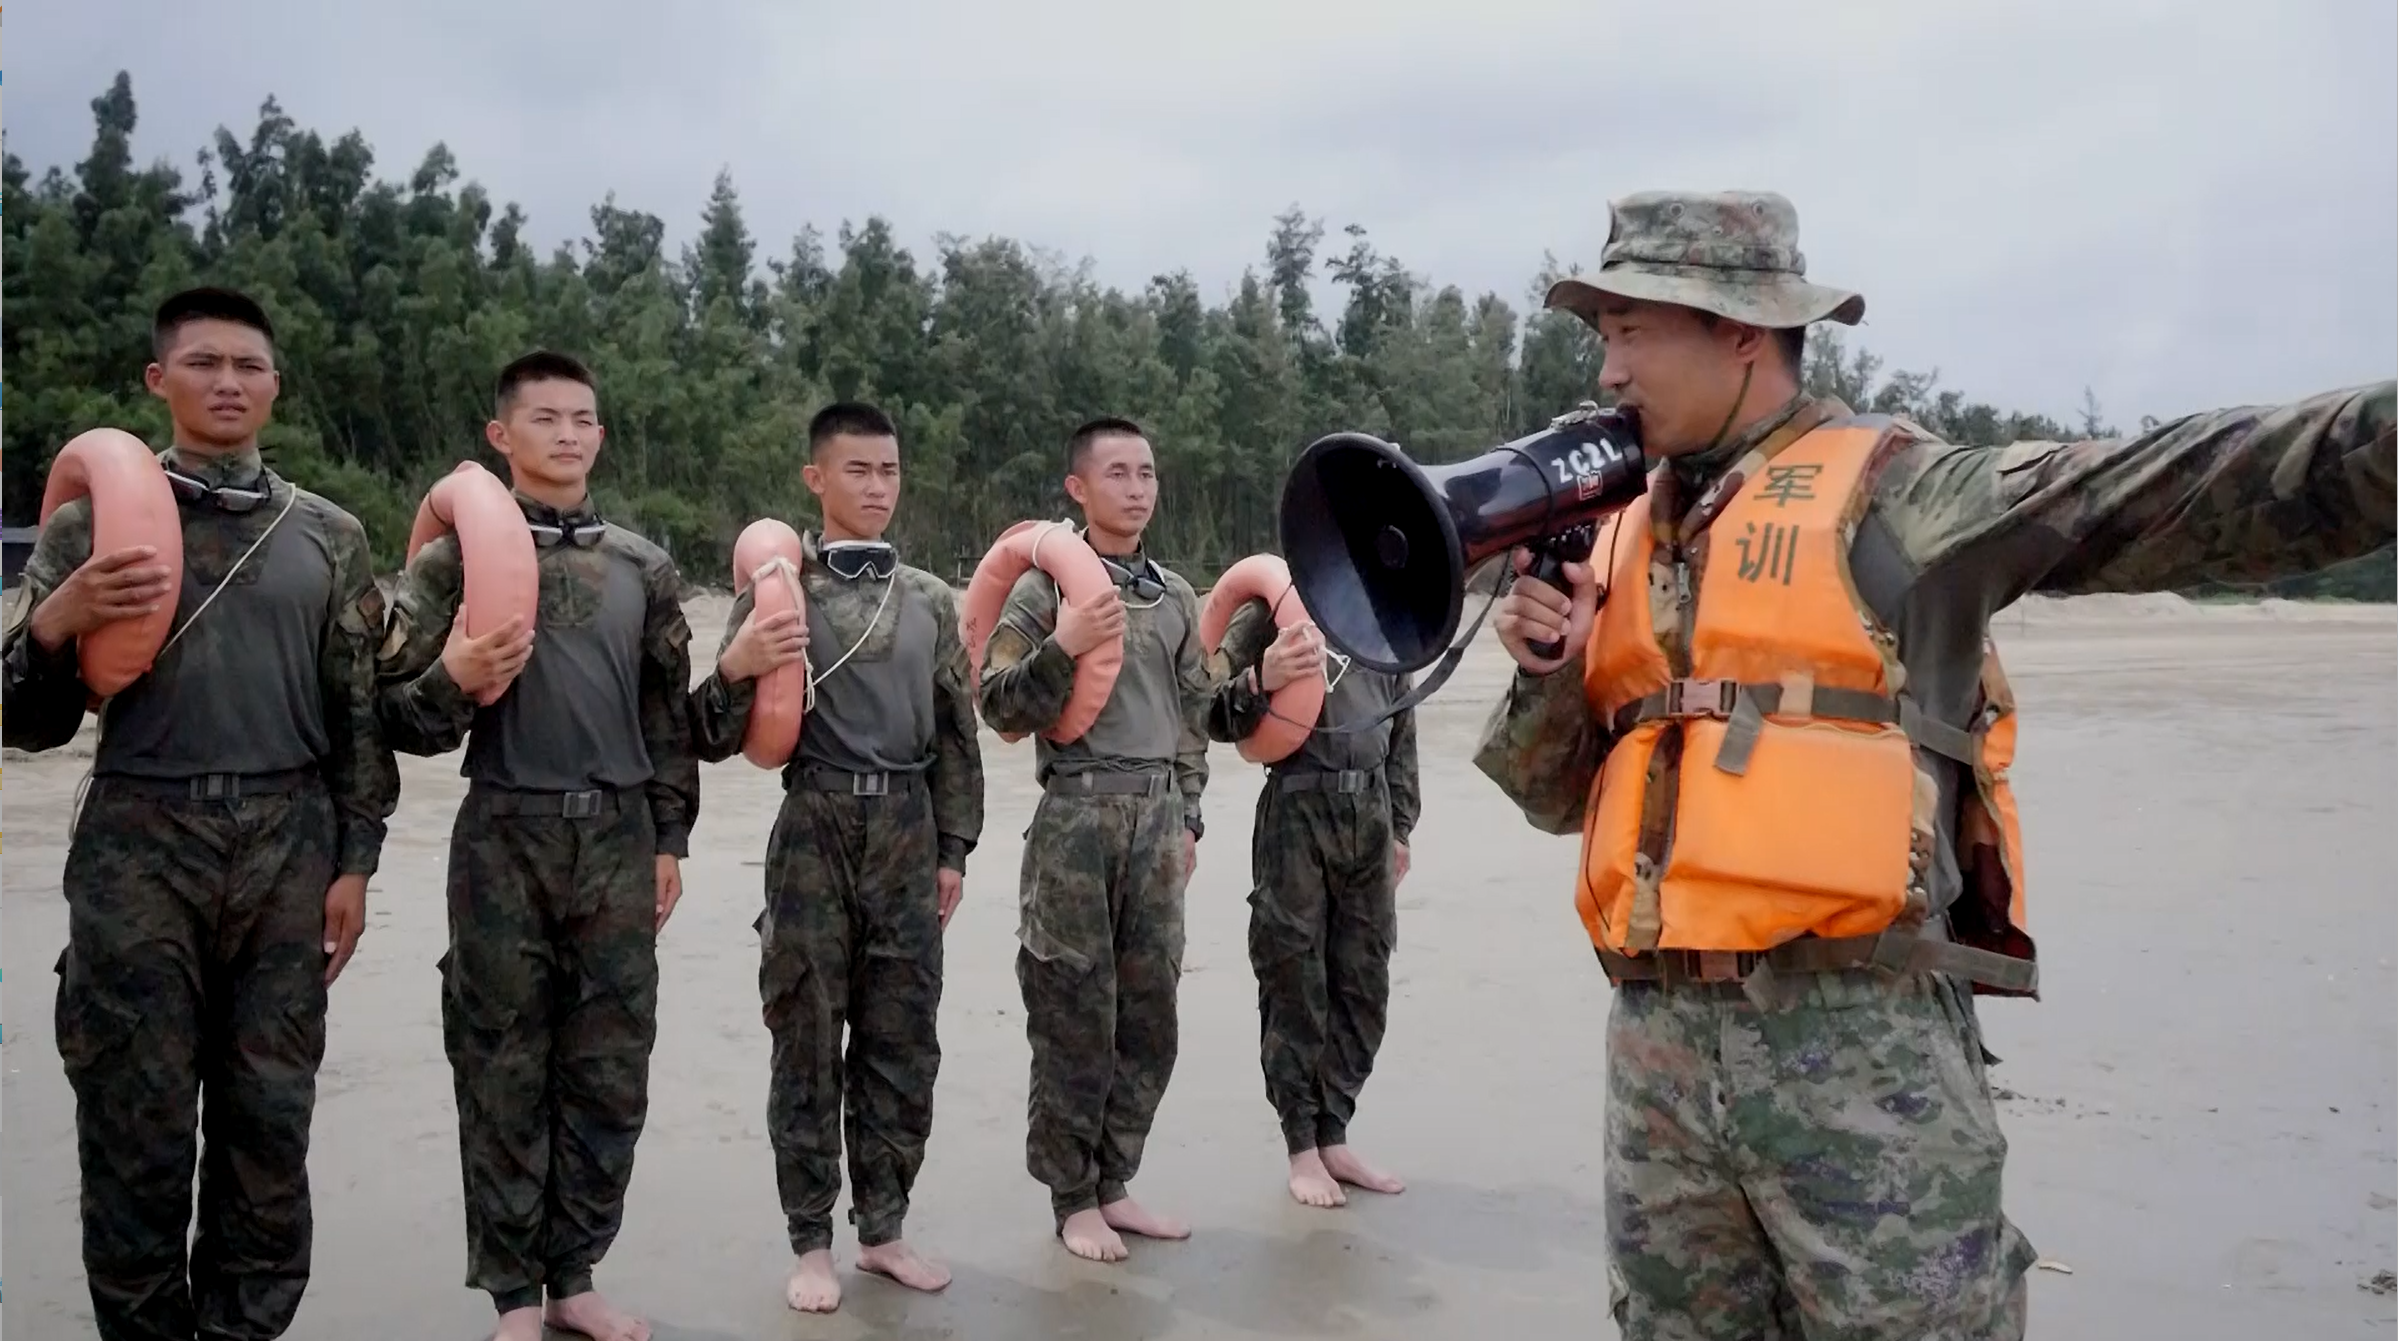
[
  {"x": 1087, "y": 1234},
  {"x": 1311, "y": 1185},
  {"x": 520, "y": 1324},
  {"x": 591, "y": 1314},
  {"x": 1343, "y": 1163},
  {"x": 813, "y": 1287},
  {"x": 902, "y": 1263},
  {"x": 1131, "y": 1217}
]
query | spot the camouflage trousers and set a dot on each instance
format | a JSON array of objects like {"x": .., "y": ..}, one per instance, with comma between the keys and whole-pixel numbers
[
  {"x": 549, "y": 1008},
  {"x": 191, "y": 1005},
  {"x": 1323, "y": 920},
  {"x": 1826, "y": 1168},
  {"x": 1099, "y": 961},
  {"x": 851, "y": 935}
]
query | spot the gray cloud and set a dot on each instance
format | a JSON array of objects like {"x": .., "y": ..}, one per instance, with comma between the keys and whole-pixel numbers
[{"x": 2178, "y": 206}]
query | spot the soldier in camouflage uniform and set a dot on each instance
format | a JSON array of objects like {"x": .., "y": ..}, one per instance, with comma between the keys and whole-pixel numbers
[
  {"x": 1326, "y": 854},
  {"x": 216, "y": 876},
  {"x": 1112, "y": 842},
  {"x": 564, "y": 859},
  {"x": 882, "y": 802},
  {"x": 1814, "y": 1149}
]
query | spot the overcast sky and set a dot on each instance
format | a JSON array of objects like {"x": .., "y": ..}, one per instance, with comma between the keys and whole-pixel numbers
[{"x": 2180, "y": 205}]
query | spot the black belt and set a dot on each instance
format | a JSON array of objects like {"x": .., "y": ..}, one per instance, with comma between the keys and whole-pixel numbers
[
  {"x": 588, "y": 804},
  {"x": 215, "y": 786},
  {"x": 820, "y": 779},
  {"x": 1099, "y": 783},
  {"x": 1345, "y": 781}
]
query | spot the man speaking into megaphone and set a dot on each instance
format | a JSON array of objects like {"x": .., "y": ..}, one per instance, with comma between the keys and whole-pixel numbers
[{"x": 1775, "y": 717}]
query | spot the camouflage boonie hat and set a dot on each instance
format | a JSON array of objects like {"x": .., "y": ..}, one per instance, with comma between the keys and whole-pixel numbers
[{"x": 1733, "y": 253}]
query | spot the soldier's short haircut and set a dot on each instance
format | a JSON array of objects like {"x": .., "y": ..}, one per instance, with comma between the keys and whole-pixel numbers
[
  {"x": 1078, "y": 447},
  {"x": 852, "y": 417},
  {"x": 542, "y": 365},
  {"x": 206, "y": 303}
]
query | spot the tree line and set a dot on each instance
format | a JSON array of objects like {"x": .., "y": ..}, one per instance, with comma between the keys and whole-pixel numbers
[{"x": 395, "y": 303}]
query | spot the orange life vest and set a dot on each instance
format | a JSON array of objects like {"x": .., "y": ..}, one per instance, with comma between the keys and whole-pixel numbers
[{"x": 1799, "y": 830}]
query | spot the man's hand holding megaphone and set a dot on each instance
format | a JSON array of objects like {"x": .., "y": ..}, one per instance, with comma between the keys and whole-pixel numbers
[{"x": 1533, "y": 613}]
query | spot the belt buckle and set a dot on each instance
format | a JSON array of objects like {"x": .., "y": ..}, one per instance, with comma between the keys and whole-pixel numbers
[
  {"x": 581, "y": 805},
  {"x": 869, "y": 784},
  {"x": 216, "y": 787},
  {"x": 1157, "y": 785},
  {"x": 1352, "y": 781},
  {"x": 1691, "y": 698}
]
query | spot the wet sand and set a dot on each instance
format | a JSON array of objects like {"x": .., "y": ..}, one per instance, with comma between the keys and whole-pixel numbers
[{"x": 2200, "y": 1111}]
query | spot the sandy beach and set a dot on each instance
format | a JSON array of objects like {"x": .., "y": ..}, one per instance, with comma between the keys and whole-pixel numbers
[{"x": 2200, "y": 1110}]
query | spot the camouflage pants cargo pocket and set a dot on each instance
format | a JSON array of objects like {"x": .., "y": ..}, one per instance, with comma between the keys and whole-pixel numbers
[
  {"x": 1830, "y": 1167},
  {"x": 91, "y": 1025}
]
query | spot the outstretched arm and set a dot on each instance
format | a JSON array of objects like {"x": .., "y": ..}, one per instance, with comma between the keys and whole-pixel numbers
[{"x": 2240, "y": 495}]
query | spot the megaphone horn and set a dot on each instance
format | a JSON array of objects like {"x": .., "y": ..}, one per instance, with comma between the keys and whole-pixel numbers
[{"x": 1379, "y": 547}]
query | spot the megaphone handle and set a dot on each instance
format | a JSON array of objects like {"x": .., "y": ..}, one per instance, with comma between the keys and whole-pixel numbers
[{"x": 1548, "y": 566}]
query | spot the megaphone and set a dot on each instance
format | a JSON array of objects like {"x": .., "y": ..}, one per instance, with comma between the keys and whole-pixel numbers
[{"x": 1379, "y": 547}]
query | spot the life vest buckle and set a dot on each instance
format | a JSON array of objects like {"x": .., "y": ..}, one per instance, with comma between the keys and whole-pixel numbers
[{"x": 1701, "y": 698}]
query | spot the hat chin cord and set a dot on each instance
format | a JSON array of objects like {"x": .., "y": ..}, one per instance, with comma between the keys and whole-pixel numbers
[{"x": 1747, "y": 372}]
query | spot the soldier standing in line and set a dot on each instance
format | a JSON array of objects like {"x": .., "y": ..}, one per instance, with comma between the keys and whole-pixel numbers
[
  {"x": 882, "y": 802},
  {"x": 1800, "y": 1132},
  {"x": 1326, "y": 855},
  {"x": 564, "y": 859},
  {"x": 1112, "y": 843},
  {"x": 216, "y": 877}
]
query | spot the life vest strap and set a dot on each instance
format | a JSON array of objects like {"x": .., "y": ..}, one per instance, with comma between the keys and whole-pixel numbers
[
  {"x": 1746, "y": 706},
  {"x": 1898, "y": 952}
]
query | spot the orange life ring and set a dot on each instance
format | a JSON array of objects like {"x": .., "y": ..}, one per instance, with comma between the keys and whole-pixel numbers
[
  {"x": 1055, "y": 549},
  {"x": 132, "y": 504},
  {"x": 1297, "y": 705},
  {"x": 495, "y": 546},
  {"x": 768, "y": 548}
]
